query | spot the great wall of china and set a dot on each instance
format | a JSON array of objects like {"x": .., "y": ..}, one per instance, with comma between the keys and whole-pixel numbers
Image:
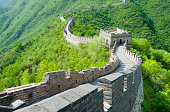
[{"x": 116, "y": 87}]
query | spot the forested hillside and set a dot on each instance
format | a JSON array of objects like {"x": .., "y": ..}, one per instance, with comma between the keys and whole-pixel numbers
[
  {"x": 32, "y": 41},
  {"x": 156, "y": 76},
  {"x": 28, "y": 17},
  {"x": 157, "y": 14},
  {"x": 48, "y": 51},
  {"x": 156, "y": 63},
  {"x": 33, "y": 53},
  {"x": 153, "y": 23},
  {"x": 21, "y": 40}
]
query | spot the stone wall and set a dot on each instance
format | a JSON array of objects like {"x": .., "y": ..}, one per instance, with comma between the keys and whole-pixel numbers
[
  {"x": 111, "y": 37},
  {"x": 56, "y": 82},
  {"x": 117, "y": 3},
  {"x": 73, "y": 38},
  {"x": 84, "y": 98},
  {"x": 62, "y": 18},
  {"x": 116, "y": 35},
  {"x": 80, "y": 39},
  {"x": 121, "y": 90},
  {"x": 126, "y": 1},
  {"x": 140, "y": 97}
]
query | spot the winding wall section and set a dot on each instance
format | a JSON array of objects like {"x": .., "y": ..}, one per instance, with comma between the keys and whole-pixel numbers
[
  {"x": 122, "y": 87},
  {"x": 118, "y": 90},
  {"x": 56, "y": 82},
  {"x": 73, "y": 38}
]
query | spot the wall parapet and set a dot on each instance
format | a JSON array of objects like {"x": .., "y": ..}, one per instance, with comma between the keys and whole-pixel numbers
[
  {"x": 122, "y": 89},
  {"x": 115, "y": 33},
  {"x": 81, "y": 39},
  {"x": 73, "y": 38},
  {"x": 56, "y": 82},
  {"x": 85, "y": 97}
]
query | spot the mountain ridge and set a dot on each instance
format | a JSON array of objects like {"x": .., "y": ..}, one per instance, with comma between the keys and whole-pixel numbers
[{"x": 25, "y": 15}]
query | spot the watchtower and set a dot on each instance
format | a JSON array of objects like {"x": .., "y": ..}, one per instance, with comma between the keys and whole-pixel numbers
[{"x": 113, "y": 35}]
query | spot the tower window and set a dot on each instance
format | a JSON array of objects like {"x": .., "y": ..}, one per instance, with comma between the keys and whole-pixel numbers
[{"x": 121, "y": 41}]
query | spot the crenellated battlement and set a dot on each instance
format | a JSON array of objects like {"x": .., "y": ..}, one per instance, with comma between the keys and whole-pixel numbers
[
  {"x": 55, "y": 82},
  {"x": 110, "y": 35},
  {"x": 68, "y": 91},
  {"x": 113, "y": 35},
  {"x": 121, "y": 89},
  {"x": 114, "y": 31}
]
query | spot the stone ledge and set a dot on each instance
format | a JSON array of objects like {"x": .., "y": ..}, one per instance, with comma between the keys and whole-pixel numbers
[
  {"x": 66, "y": 100},
  {"x": 109, "y": 79}
]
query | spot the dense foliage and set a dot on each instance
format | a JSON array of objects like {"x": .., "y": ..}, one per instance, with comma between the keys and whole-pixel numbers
[
  {"x": 125, "y": 16},
  {"x": 156, "y": 76},
  {"x": 157, "y": 14},
  {"x": 28, "y": 17},
  {"x": 23, "y": 51},
  {"x": 156, "y": 63},
  {"x": 48, "y": 52},
  {"x": 29, "y": 47}
]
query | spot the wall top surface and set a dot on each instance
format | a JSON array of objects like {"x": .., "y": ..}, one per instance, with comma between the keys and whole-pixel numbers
[{"x": 62, "y": 101}]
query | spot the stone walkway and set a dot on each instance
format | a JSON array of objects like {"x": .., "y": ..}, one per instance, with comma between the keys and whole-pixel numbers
[{"x": 125, "y": 63}]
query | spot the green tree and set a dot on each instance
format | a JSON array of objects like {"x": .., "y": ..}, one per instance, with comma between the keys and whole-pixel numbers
[
  {"x": 26, "y": 78},
  {"x": 161, "y": 102}
]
